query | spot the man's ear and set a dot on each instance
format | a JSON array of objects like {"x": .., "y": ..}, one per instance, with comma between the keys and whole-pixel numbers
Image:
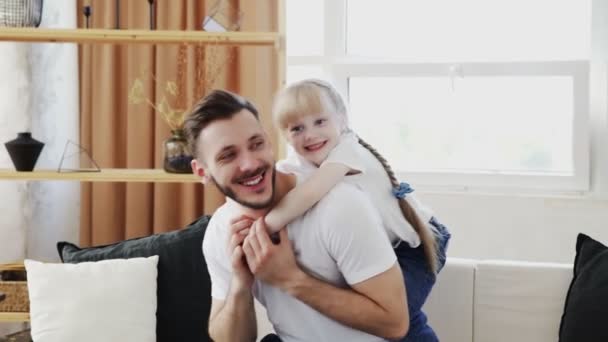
[{"x": 199, "y": 170}]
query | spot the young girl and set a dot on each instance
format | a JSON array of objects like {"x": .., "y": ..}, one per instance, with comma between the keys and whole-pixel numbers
[{"x": 312, "y": 117}]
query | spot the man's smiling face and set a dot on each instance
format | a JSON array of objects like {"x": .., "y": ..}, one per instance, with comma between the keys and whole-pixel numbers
[{"x": 238, "y": 158}]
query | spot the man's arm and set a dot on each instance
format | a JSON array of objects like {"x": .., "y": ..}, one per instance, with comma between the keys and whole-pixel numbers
[
  {"x": 376, "y": 305},
  {"x": 232, "y": 318}
]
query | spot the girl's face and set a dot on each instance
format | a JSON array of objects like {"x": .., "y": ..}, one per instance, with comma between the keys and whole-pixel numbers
[{"x": 313, "y": 136}]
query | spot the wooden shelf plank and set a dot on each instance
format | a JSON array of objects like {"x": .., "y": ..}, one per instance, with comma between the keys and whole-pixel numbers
[
  {"x": 105, "y": 175},
  {"x": 15, "y": 266},
  {"x": 137, "y": 36},
  {"x": 14, "y": 316}
]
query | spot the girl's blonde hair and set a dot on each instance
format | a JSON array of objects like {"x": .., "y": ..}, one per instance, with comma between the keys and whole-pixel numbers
[
  {"x": 308, "y": 97},
  {"x": 315, "y": 96}
]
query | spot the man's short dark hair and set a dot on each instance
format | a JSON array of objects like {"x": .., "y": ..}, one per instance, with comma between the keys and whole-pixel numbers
[{"x": 217, "y": 105}]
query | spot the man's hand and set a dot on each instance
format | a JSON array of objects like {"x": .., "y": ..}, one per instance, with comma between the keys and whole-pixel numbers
[
  {"x": 233, "y": 318},
  {"x": 239, "y": 229},
  {"x": 273, "y": 264}
]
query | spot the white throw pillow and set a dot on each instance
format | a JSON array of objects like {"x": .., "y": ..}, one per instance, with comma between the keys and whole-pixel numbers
[{"x": 109, "y": 300}]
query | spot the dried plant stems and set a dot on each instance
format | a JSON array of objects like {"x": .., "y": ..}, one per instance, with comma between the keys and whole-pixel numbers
[{"x": 209, "y": 64}]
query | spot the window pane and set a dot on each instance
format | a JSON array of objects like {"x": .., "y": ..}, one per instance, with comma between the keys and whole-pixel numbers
[
  {"x": 470, "y": 30},
  {"x": 304, "y": 26},
  {"x": 505, "y": 124},
  {"x": 300, "y": 72}
]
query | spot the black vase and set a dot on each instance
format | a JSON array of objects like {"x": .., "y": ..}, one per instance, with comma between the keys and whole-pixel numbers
[
  {"x": 177, "y": 153},
  {"x": 24, "y": 151}
]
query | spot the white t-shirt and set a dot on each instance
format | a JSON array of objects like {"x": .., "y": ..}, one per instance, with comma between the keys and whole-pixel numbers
[
  {"x": 339, "y": 240},
  {"x": 371, "y": 179}
]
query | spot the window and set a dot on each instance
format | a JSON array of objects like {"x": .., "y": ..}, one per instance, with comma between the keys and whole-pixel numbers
[{"x": 464, "y": 93}]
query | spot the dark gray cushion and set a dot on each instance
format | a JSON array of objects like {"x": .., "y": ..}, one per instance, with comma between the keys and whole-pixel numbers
[
  {"x": 586, "y": 309},
  {"x": 184, "y": 287}
]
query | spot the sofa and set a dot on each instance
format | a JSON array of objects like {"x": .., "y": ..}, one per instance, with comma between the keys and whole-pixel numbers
[
  {"x": 492, "y": 301},
  {"x": 473, "y": 300}
]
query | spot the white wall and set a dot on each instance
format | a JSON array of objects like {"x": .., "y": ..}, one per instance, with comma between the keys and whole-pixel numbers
[
  {"x": 14, "y": 117},
  {"x": 55, "y": 206},
  {"x": 39, "y": 91},
  {"x": 39, "y": 87}
]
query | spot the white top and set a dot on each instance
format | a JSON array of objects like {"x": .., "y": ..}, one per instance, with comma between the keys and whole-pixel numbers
[
  {"x": 339, "y": 240},
  {"x": 372, "y": 179}
]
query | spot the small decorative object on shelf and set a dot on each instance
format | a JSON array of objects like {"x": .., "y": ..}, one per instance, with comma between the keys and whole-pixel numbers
[
  {"x": 222, "y": 17},
  {"x": 152, "y": 23},
  {"x": 13, "y": 283},
  {"x": 74, "y": 150},
  {"x": 20, "y": 13},
  {"x": 87, "y": 13},
  {"x": 24, "y": 151},
  {"x": 174, "y": 116},
  {"x": 174, "y": 101},
  {"x": 177, "y": 153}
]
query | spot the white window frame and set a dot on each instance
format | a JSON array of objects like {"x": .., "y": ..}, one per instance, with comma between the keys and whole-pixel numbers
[{"x": 338, "y": 68}]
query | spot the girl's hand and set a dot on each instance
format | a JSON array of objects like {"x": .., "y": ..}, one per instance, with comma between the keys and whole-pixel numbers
[
  {"x": 239, "y": 229},
  {"x": 241, "y": 225}
]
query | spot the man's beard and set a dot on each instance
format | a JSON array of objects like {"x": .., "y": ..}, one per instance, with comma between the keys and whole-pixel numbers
[{"x": 228, "y": 192}]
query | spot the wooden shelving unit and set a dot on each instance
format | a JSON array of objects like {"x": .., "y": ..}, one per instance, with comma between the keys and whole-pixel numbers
[
  {"x": 137, "y": 36},
  {"x": 109, "y": 36},
  {"x": 105, "y": 175},
  {"x": 14, "y": 317}
]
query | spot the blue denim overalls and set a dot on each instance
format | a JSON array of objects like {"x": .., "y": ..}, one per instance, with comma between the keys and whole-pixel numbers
[{"x": 419, "y": 281}]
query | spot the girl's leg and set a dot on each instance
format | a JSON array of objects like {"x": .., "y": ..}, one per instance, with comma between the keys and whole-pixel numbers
[{"x": 419, "y": 282}]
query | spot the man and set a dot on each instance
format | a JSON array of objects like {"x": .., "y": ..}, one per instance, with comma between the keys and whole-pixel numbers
[{"x": 344, "y": 284}]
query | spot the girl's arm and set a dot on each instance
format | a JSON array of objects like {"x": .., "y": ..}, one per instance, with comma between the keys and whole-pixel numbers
[{"x": 305, "y": 195}]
